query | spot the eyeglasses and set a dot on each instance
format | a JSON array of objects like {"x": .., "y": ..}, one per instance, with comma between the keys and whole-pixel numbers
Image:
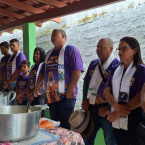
[{"x": 123, "y": 49}]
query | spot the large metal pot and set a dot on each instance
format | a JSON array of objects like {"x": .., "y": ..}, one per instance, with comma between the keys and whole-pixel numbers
[{"x": 16, "y": 125}]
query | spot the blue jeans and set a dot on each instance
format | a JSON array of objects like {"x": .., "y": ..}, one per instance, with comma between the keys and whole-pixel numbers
[{"x": 100, "y": 122}]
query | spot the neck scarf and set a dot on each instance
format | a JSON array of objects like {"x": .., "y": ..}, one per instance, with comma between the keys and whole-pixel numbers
[
  {"x": 14, "y": 62},
  {"x": 97, "y": 79},
  {"x": 122, "y": 122},
  {"x": 61, "y": 69}
]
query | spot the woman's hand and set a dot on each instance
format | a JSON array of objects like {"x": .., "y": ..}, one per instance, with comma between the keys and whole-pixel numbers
[
  {"x": 113, "y": 116},
  {"x": 121, "y": 109}
]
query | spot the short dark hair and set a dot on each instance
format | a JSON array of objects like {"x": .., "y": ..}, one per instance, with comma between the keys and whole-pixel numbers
[
  {"x": 5, "y": 44},
  {"x": 42, "y": 54},
  {"x": 26, "y": 62},
  {"x": 62, "y": 32},
  {"x": 14, "y": 40},
  {"x": 133, "y": 43}
]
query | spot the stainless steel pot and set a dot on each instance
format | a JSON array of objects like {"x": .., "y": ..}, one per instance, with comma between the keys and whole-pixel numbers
[{"x": 16, "y": 125}]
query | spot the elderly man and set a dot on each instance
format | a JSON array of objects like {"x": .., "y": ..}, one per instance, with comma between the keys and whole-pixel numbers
[
  {"x": 94, "y": 84},
  {"x": 65, "y": 63}
]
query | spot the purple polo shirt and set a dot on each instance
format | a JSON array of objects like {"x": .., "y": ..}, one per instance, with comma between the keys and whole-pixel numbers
[
  {"x": 20, "y": 58},
  {"x": 3, "y": 63},
  {"x": 72, "y": 61},
  {"x": 102, "y": 86},
  {"x": 22, "y": 83},
  {"x": 136, "y": 83}
]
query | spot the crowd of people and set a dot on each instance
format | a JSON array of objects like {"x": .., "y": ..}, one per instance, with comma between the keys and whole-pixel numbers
[{"x": 113, "y": 89}]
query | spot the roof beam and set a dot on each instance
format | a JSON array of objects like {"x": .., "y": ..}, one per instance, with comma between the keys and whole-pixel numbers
[
  {"x": 20, "y": 27},
  {"x": 10, "y": 31},
  {"x": 57, "y": 20},
  {"x": 4, "y": 21},
  {"x": 58, "y": 12},
  {"x": 38, "y": 24},
  {"x": 10, "y": 14},
  {"x": 54, "y": 3},
  {"x": 22, "y": 6}
]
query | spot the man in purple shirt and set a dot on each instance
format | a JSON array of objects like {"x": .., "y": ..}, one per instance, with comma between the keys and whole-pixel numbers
[
  {"x": 4, "y": 46},
  {"x": 98, "y": 71},
  {"x": 61, "y": 72},
  {"x": 14, "y": 65}
]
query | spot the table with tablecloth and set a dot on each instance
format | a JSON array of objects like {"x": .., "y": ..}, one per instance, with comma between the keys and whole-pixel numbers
[
  {"x": 64, "y": 137},
  {"x": 67, "y": 137}
]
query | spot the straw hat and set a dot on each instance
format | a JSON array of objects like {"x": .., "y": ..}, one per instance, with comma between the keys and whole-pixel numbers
[{"x": 82, "y": 123}]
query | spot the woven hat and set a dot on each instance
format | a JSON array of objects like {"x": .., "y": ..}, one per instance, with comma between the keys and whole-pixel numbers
[
  {"x": 80, "y": 121},
  {"x": 89, "y": 129}
]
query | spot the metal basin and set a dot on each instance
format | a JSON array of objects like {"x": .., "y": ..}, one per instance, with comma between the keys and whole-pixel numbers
[{"x": 16, "y": 125}]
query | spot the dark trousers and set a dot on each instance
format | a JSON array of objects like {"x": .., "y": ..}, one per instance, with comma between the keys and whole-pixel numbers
[
  {"x": 124, "y": 137},
  {"x": 61, "y": 111},
  {"x": 35, "y": 101},
  {"x": 141, "y": 134},
  {"x": 141, "y": 130},
  {"x": 129, "y": 137}
]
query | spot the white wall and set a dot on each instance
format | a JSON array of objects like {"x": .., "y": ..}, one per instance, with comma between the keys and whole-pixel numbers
[{"x": 84, "y": 30}]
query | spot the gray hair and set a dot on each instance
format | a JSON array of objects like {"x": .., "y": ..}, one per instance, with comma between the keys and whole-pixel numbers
[
  {"x": 109, "y": 41},
  {"x": 62, "y": 32}
]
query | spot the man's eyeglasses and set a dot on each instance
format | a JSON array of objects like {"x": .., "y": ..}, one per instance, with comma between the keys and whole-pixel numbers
[{"x": 123, "y": 49}]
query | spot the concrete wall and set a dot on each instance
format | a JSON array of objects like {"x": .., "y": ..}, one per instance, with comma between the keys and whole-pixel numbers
[{"x": 84, "y": 30}]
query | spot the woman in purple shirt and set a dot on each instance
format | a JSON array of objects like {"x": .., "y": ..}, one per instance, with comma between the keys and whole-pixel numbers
[{"x": 127, "y": 81}]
